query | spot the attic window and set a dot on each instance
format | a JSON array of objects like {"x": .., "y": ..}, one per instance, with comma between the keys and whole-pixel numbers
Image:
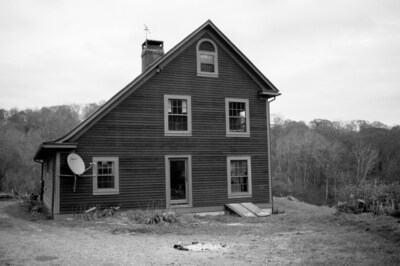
[{"x": 207, "y": 58}]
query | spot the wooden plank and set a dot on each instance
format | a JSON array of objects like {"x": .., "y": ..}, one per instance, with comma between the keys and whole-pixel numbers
[
  {"x": 254, "y": 209},
  {"x": 241, "y": 210}
]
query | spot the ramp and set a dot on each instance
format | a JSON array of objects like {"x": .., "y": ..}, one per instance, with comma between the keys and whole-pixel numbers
[
  {"x": 254, "y": 209},
  {"x": 239, "y": 209}
]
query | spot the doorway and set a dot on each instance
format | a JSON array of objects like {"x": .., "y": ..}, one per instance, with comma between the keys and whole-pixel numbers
[{"x": 178, "y": 180}]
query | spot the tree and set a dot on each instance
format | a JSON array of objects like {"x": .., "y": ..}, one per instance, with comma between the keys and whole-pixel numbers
[
  {"x": 90, "y": 108},
  {"x": 366, "y": 157},
  {"x": 21, "y": 132},
  {"x": 317, "y": 161}
]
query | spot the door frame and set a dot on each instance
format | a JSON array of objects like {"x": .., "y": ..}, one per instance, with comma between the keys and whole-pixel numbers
[{"x": 188, "y": 158}]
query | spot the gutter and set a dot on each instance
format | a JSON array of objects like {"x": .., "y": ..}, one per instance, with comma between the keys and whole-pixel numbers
[
  {"x": 269, "y": 152},
  {"x": 269, "y": 147},
  {"x": 53, "y": 146}
]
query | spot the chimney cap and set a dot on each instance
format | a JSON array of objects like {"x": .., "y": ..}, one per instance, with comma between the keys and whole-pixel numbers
[{"x": 147, "y": 43}]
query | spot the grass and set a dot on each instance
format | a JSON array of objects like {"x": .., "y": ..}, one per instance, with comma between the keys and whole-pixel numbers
[{"x": 304, "y": 234}]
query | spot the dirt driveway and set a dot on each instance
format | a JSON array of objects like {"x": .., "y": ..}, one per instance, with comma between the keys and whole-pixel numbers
[{"x": 278, "y": 240}]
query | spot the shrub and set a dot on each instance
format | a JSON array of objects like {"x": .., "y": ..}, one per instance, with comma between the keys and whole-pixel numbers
[
  {"x": 370, "y": 197},
  {"x": 5, "y": 196},
  {"x": 153, "y": 217},
  {"x": 96, "y": 212},
  {"x": 34, "y": 208}
]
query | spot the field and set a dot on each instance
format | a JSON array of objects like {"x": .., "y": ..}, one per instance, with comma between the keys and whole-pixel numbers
[{"x": 303, "y": 235}]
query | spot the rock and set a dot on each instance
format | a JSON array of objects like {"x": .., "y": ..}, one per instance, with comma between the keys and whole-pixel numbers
[
  {"x": 291, "y": 198},
  {"x": 180, "y": 247}
]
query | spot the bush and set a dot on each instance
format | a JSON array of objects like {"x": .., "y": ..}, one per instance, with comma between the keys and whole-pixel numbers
[
  {"x": 96, "y": 212},
  {"x": 281, "y": 187},
  {"x": 153, "y": 217},
  {"x": 35, "y": 209},
  {"x": 369, "y": 197},
  {"x": 5, "y": 196}
]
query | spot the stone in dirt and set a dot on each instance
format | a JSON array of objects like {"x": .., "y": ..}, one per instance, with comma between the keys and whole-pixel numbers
[{"x": 196, "y": 246}]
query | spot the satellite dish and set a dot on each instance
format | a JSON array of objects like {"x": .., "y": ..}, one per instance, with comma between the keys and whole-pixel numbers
[{"x": 76, "y": 164}]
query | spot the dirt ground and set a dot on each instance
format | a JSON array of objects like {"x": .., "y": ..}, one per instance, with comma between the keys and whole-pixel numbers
[{"x": 303, "y": 235}]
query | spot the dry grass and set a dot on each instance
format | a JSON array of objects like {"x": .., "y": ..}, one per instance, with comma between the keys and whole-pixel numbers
[{"x": 304, "y": 234}]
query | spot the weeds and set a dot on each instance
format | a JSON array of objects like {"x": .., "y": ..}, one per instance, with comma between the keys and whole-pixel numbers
[
  {"x": 35, "y": 209},
  {"x": 153, "y": 217},
  {"x": 154, "y": 213},
  {"x": 96, "y": 212},
  {"x": 5, "y": 196},
  {"x": 379, "y": 199}
]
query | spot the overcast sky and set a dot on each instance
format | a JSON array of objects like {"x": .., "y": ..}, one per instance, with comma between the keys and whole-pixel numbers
[{"x": 332, "y": 59}]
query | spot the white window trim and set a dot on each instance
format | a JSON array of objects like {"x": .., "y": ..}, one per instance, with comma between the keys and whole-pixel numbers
[
  {"x": 215, "y": 54},
  {"x": 239, "y": 194},
  {"x": 234, "y": 133},
  {"x": 168, "y": 132},
  {"x": 106, "y": 191}
]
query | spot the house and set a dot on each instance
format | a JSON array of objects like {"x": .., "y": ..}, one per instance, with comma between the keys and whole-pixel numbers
[{"x": 191, "y": 133}]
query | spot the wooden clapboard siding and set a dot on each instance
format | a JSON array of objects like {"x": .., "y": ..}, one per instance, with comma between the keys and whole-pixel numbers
[{"x": 134, "y": 132}]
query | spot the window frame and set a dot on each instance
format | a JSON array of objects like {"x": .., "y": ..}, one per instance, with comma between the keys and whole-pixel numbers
[
  {"x": 181, "y": 133},
  {"x": 106, "y": 191},
  {"x": 249, "y": 177},
  {"x": 230, "y": 133},
  {"x": 199, "y": 53}
]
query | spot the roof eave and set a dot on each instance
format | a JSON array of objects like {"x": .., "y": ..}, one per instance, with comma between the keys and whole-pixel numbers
[
  {"x": 47, "y": 147},
  {"x": 269, "y": 94}
]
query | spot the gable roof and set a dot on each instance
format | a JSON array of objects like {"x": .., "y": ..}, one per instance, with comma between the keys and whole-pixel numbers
[{"x": 268, "y": 89}]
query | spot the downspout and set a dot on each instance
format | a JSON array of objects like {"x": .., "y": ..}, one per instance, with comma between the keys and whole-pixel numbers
[
  {"x": 269, "y": 150},
  {"x": 41, "y": 179},
  {"x": 53, "y": 192},
  {"x": 53, "y": 187}
]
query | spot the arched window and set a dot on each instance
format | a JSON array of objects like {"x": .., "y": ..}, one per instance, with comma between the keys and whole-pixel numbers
[{"x": 207, "y": 58}]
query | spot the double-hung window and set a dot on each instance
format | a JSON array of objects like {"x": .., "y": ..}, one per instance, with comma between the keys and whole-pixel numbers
[
  {"x": 207, "y": 58},
  {"x": 237, "y": 117},
  {"x": 105, "y": 175},
  {"x": 239, "y": 176},
  {"x": 177, "y": 115}
]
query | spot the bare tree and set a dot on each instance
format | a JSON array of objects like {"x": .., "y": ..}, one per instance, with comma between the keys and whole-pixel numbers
[{"x": 366, "y": 157}]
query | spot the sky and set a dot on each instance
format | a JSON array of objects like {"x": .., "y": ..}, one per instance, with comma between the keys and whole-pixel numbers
[{"x": 331, "y": 59}]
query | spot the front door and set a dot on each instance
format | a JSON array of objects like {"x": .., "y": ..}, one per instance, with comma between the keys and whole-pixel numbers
[{"x": 178, "y": 181}]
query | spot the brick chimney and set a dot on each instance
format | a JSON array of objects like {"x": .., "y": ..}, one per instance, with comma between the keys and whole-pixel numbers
[{"x": 151, "y": 51}]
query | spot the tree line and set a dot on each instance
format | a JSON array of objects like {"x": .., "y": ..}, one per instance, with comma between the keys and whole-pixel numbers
[
  {"x": 319, "y": 160},
  {"x": 314, "y": 161},
  {"x": 21, "y": 133}
]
